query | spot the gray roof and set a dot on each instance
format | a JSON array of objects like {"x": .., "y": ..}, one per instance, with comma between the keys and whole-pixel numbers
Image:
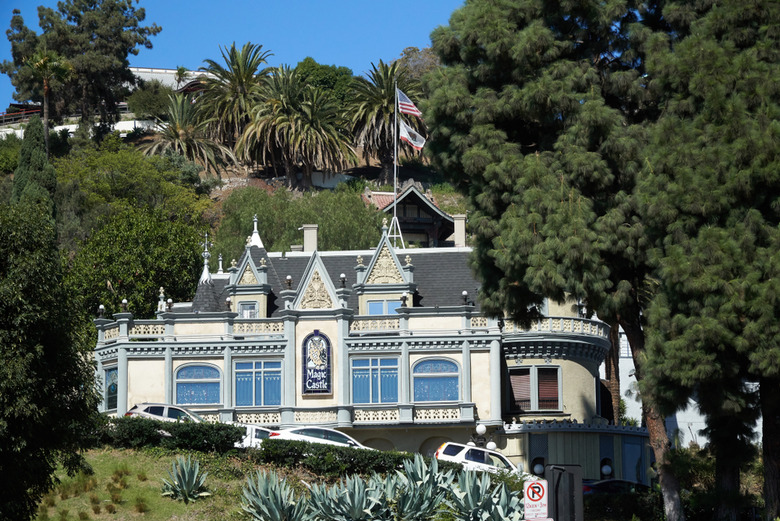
[{"x": 440, "y": 274}]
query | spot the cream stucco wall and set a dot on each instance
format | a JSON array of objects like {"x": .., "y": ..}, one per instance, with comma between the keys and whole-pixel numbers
[
  {"x": 199, "y": 328},
  {"x": 567, "y": 309},
  {"x": 480, "y": 383},
  {"x": 145, "y": 381},
  {"x": 427, "y": 323},
  {"x": 328, "y": 328}
]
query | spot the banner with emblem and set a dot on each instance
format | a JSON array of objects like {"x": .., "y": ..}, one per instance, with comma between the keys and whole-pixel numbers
[{"x": 317, "y": 366}]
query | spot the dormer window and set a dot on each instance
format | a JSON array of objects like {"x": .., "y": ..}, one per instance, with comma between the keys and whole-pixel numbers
[
  {"x": 247, "y": 309},
  {"x": 383, "y": 307}
]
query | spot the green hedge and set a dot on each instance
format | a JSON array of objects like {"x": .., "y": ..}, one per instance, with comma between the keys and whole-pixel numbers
[
  {"x": 332, "y": 460},
  {"x": 134, "y": 432}
]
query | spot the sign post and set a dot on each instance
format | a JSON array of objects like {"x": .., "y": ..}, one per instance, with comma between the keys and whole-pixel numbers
[{"x": 535, "y": 494}]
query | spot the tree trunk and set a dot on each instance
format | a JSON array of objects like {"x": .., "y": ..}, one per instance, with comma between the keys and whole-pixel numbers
[
  {"x": 46, "y": 116},
  {"x": 659, "y": 440},
  {"x": 727, "y": 485},
  {"x": 770, "y": 411},
  {"x": 612, "y": 370}
]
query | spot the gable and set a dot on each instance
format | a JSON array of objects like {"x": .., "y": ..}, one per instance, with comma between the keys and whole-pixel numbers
[{"x": 385, "y": 269}]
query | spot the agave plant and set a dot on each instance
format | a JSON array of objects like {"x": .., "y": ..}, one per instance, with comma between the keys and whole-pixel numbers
[
  {"x": 473, "y": 499},
  {"x": 187, "y": 482},
  {"x": 420, "y": 489},
  {"x": 268, "y": 498},
  {"x": 350, "y": 500}
]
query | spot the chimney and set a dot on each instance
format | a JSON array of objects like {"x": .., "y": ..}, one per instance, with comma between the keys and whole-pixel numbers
[
  {"x": 460, "y": 230},
  {"x": 310, "y": 237}
]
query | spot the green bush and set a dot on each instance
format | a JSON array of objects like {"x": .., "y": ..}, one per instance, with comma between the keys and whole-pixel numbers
[
  {"x": 332, "y": 460},
  {"x": 134, "y": 432}
]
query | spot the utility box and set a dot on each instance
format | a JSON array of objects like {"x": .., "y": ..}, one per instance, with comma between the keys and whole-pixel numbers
[{"x": 565, "y": 492}]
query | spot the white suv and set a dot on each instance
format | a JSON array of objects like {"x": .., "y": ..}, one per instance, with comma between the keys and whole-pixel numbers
[{"x": 476, "y": 458}]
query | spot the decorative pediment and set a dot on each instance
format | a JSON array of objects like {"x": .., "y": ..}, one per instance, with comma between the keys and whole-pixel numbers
[
  {"x": 384, "y": 269},
  {"x": 248, "y": 278},
  {"x": 316, "y": 294},
  {"x": 317, "y": 290}
]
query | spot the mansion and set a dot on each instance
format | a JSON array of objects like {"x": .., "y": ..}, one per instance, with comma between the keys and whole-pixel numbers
[{"x": 387, "y": 344}]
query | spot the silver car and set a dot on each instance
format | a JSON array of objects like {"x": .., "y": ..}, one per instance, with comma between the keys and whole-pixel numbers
[
  {"x": 164, "y": 412},
  {"x": 318, "y": 435}
]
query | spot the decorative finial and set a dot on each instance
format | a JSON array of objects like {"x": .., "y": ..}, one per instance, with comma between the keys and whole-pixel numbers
[
  {"x": 288, "y": 280},
  {"x": 101, "y": 310},
  {"x": 219, "y": 270},
  {"x": 205, "y": 277},
  {"x": 262, "y": 261},
  {"x": 408, "y": 260},
  {"x": 359, "y": 260},
  {"x": 254, "y": 239},
  {"x": 233, "y": 263},
  {"x": 384, "y": 222}
]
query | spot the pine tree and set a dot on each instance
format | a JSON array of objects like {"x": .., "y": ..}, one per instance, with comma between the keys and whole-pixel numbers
[
  {"x": 47, "y": 393},
  {"x": 35, "y": 179},
  {"x": 537, "y": 115},
  {"x": 95, "y": 37},
  {"x": 712, "y": 210}
]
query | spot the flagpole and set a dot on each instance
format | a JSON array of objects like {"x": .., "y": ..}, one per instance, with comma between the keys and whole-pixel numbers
[{"x": 395, "y": 160}]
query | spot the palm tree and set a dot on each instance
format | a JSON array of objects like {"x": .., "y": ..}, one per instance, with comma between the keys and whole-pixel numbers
[
  {"x": 49, "y": 68},
  {"x": 317, "y": 135},
  {"x": 299, "y": 125},
  {"x": 265, "y": 137},
  {"x": 373, "y": 111},
  {"x": 231, "y": 91},
  {"x": 186, "y": 133},
  {"x": 180, "y": 75}
]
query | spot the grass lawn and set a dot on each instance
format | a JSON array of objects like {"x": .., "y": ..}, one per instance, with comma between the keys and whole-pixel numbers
[{"x": 126, "y": 485}]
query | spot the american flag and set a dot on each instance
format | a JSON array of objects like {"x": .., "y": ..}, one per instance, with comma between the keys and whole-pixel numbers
[{"x": 406, "y": 106}]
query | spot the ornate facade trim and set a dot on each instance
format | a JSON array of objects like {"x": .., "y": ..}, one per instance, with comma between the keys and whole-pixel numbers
[
  {"x": 385, "y": 270},
  {"x": 259, "y": 418},
  {"x": 436, "y": 414},
  {"x": 316, "y": 295},
  {"x": 539, "y": 426},
  {"x": 248, "y": 278},
  {"x": 376, "y": 416},
  {"x": 315, "y": 416}
]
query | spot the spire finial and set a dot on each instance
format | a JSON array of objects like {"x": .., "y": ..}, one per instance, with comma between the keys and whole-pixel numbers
[
  {"x": 205, "y": 277},
  {"x": 254, "y": 239}
]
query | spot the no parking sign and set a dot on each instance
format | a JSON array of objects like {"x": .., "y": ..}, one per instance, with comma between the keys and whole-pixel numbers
[{"x": 535, "y": 494}]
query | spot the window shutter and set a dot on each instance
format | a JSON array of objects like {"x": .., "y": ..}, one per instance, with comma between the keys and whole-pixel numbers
[
  {"x": 548, "y": 387},
  {"x": 521, "y": 389}
]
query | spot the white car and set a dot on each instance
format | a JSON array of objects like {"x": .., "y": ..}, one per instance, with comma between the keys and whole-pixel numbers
[
  {"x": 476, "y": 458},
  {"x": 253, "y": 437},
  {"x": 164, "y": 412},
  {"x": 318, "y": 435}
]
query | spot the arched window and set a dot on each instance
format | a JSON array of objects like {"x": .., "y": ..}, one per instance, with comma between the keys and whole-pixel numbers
[
  {"x": 197, "y": 384},
  {"x": 436, "y": 381}
]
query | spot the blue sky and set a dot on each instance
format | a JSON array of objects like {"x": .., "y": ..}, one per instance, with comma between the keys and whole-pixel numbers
[{"x": 350, "y": 33}]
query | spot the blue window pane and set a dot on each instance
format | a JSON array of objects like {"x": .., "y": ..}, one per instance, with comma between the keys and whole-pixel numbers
[
  {"x": 273, "y": 365},
  {"x": 437, "y": 388},
  {"x": 392, "y": 305},
  {"x": 361, "y": 386},
  {"x": 388, "y": 362},
  {"x": 272, "y": 388},
  {"x": 436, "y": 366},
  {"x": 389, "y": 385},
  {"x": 197, "y": 372},
  {"x": 361, "y": 362},
  {"x": 376, "y": 307},
  {"x": 112, "y": 377},
  {"x": 258, "y": 388},
  {"x": 374, "y": 385},
  {"x": 197, "y": 393},
  {"x": 243, "y": 389},
  {"x": 243, "y": 365}
]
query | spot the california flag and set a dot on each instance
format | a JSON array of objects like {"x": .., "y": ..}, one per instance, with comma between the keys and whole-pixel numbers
[{"x": 411, "y": 136}]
